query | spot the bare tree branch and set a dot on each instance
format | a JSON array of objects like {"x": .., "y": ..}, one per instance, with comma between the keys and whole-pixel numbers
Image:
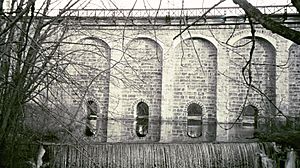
[
  {"x": 268, "y": 22},
  {"x": 198, "y": 19}
]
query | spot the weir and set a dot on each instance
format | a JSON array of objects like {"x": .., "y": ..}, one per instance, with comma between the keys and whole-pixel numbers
[{"x": 146, "y": 155}]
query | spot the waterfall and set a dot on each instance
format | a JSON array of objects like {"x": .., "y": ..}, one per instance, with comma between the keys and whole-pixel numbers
[
  {"x": 138, "y": 155},
  {"x": 40, "y": 155},
  {"x": 266, "y": 162},
  {"x": 291, "y": 159}
]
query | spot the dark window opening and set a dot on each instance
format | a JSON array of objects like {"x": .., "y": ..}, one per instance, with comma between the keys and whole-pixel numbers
[
  {"x": 194, "y": 110},
  {"x": 250, "y": 115},
  {"x": 194, "y": 120},
  {"x": 91, "y": 107},
  {"x": 142, "y": 119},
  {"x": 91, "y": 124}
]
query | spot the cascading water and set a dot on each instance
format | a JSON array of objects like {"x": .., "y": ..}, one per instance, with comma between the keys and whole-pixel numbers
[
  {"x": 201, "y": 155},
  {"x": 266, "y": 162},
  {"x": 291, "y": 159}
]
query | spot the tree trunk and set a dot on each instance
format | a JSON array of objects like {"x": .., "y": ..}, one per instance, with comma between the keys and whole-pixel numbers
[{"x": 267, "y": 22}]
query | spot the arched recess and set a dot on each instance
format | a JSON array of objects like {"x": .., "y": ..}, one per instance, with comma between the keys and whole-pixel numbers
[
  {"x": 92, "y": 75},
  {"x": 152, "y": 38},
  {"x": 263, "y": 75},
  {"x": 143, "y": 64},
  {"x": 195, "y": 76},
  {"x": 294, "y": 80},
  {"x": 194, "y": 120},
  {"x": 92, "y": 53},
  {"x": 142, "y": 67},
  {"x": 268, "y": 36},
  {"x": 184, "y": 37}
]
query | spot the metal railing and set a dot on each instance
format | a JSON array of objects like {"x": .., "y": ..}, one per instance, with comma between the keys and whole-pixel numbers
[{"x": 191, "y": 12}]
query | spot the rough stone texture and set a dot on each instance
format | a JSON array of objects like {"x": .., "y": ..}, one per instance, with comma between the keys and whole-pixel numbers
[
  {"x": 294, "y": 80},
  {"x": 140, "y": 76},
  {"x": 148, "y": 65},
  {"x": 90, "y": 69},
  {"x": 263, "y": 74},
  {"x": 195, "y": 77}
]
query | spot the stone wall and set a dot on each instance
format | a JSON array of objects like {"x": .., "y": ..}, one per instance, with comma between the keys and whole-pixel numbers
[
  {"x": 294, "y": 80},
  {"x": 89, "y": 69},
  {"x": 141, "y": 80},
  {"x": 262, "y": 77},
  {"x": 147, "y": 65}
]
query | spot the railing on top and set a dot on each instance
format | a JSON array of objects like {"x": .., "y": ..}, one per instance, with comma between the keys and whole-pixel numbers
[{"x": 220, "y": 11}]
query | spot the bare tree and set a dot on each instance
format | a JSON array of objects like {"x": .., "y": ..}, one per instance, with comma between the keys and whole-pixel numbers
[
  {"x": 36, "y": 74},
  {"x": 267, "y": 22},
  {"x": 29, "y": 60}
]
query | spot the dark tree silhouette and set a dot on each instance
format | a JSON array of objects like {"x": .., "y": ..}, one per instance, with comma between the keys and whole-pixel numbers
[{"x": 270, "y": 24}]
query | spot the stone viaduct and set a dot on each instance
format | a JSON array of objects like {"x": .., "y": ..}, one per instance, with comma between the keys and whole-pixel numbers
[{"x": 137, "y": 83}]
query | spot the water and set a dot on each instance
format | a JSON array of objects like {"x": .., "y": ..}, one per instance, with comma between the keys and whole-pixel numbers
[
  {"x": 291, "y": 159},
  {"x": 266, "y": 162},
  {"x": 151, "y": 155},
  {"x": 176, "y": 131},
  {"x": 167, "y": 145}
]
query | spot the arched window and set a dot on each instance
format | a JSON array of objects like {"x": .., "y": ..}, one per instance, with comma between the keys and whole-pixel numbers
[
  {"x": 250, "y": 114},
  {"x": 194, "y": 120},
  {"x": 142, "y": 119},
  {"x": 91, "y": 124}
]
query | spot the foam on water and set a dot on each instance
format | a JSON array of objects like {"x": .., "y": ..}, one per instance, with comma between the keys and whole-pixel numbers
[{"x": 145, "y": 155}]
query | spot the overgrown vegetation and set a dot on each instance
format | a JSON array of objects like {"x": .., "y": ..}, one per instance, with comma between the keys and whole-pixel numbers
[
  {"x": 28, "y": 65},
  {"x": 286, "y": 134}
]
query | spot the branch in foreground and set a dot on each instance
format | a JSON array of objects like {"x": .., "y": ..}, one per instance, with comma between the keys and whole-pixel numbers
[
  {"x": 269, "y": 23},
  {"x": 201, "y": 17}
]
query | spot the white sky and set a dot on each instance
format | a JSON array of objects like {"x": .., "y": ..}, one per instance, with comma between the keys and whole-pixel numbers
[{"x": 142, "y": 4}]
